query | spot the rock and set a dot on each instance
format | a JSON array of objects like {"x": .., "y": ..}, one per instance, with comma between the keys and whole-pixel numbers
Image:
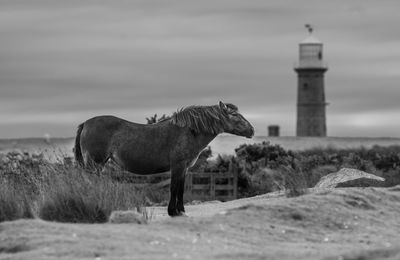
[
  {"x": 129, "y": 216},
  {"x": 345, "y": 175}
]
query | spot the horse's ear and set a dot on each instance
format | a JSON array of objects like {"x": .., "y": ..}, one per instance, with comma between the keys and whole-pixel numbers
[
  {"x": 232, "y": 107},
  {"x": 222, "y": 105}
]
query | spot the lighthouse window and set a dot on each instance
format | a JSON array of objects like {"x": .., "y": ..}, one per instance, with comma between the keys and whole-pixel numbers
[{"x": 320, "y": 55}]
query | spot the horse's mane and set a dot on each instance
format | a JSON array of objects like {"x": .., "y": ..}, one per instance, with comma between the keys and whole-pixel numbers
[{"x": 203, "y": 119}]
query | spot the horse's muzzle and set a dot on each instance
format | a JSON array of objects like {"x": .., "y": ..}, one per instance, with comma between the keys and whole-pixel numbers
[{"x": 251, "y": 133}]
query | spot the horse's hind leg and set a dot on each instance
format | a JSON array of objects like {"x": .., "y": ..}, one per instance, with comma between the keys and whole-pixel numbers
[
  {"x": 177, "y": 180},
  {"x": 91, "y": 165},
  {"x": 111, "y": 166}
]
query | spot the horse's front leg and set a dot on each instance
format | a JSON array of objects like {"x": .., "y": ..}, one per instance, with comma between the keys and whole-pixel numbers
[
  {"x": 177, "y": 181},
  {"x": 181, "y": 189}
]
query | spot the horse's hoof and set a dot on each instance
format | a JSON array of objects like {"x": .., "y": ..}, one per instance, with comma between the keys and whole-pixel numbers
[
  {"x": 178, "y": 214},
  {"x": 182, "y": 214},
  {"x": 172, "y": 212}
]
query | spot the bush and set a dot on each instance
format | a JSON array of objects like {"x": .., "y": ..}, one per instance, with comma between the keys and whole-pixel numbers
[
  {"x": 265, "y": 167},
  {"x": 263, "y": 181},
  {"x": 221, "y": 164},
  {"x": 259, "y": 167},
  {"x": 272, "y": 156}
]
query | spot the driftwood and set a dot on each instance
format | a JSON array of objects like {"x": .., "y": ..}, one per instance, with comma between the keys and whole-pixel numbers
[{"x": 345, "y": 174}]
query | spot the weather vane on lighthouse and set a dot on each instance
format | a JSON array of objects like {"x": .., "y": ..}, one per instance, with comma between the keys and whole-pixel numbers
[{"x": 309, "y": 28}]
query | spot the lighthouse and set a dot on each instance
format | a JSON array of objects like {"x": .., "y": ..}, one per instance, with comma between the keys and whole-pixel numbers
[{"x": 311, "y": 104}]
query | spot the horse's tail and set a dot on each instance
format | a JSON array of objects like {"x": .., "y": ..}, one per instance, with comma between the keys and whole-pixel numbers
[{"x": 77, "y": 148}]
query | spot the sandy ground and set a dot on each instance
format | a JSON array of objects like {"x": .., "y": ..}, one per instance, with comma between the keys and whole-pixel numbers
[{"x": 345, "y": 223}]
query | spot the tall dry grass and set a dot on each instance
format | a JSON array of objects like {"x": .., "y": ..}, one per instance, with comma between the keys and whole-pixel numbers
[
  {"x": 14, "y": 203},
  {"x": 32, "y": 187}
]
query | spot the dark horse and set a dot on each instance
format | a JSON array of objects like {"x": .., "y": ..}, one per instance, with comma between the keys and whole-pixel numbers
[{"x": 172, "y": 144}]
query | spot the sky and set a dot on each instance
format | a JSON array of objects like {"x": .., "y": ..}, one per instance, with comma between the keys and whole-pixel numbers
[{"x": 62, "y": 62}]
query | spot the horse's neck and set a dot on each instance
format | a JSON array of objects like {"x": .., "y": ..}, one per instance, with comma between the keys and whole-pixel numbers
[{"x": 204, "y": 139}]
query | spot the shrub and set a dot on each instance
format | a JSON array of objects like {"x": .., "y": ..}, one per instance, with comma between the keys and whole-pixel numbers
[
  {"x": 221, "y": 164},
  {"x": 271, "y": 155},
  {"x": 261, "y": 165},
  {"x": 255, "y": 164}
]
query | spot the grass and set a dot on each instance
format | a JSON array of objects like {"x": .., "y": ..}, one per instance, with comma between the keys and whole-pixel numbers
[
  {"x": 14, "y": 204},
  {"x": 294, "y": 181},
  {"x": 61, "y": 192}
]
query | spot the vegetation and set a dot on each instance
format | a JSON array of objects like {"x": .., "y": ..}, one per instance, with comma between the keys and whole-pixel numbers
[
  {"x": 154, "y": 119},
  {"x": 265, "y": 168},
  {"x": 33, "y": 187}
]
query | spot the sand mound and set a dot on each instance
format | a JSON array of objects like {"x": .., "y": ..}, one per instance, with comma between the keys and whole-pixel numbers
[{"x": 344, "y": 223}]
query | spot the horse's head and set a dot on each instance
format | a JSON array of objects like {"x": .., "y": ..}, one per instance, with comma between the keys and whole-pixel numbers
[{"x": 236, "y": 123}]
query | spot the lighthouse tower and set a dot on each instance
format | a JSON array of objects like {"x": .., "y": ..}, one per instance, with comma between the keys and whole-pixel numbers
[{"x": 311, "y": 118}]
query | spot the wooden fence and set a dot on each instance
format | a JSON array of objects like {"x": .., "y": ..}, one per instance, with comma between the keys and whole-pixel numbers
[{"x": 198, "y": 186}]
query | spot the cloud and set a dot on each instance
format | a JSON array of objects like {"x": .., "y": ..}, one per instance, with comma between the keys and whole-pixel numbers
[{"x": 62, "y": 61}]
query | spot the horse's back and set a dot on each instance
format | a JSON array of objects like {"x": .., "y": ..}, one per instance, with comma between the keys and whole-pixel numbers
[
  {"x": 133, "y": 145},
  {"x": 138, "y": 148}
]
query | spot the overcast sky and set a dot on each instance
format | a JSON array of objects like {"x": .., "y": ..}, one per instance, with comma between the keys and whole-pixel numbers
[{"x": 62, "y": 62}]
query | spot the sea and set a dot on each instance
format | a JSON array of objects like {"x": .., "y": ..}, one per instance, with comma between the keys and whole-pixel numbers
[{"x": 57, "y": 148}]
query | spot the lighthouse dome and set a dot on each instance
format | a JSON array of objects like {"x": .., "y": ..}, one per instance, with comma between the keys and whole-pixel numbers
[
  {"x": 311, "y": 39},
  {"x": 310, "y": 52}
]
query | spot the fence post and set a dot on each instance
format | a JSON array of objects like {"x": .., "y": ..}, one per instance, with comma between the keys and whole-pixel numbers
[
  {"x": 189, "y": 183},
  {"x": 235, "y": 181},
  {"x": 212, "y": 185}
]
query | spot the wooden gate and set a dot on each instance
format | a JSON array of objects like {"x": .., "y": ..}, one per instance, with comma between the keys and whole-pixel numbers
[{"x": 211, "y": 186}]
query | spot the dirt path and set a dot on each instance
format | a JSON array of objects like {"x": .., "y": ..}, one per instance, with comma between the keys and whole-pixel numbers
[
  {"x": 211, "y": 208},
  {"x": 337, "y": 224}
]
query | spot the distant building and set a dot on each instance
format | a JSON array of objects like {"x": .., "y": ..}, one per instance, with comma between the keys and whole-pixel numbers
[
  {"x": 311, "y": 114},
  {"x": 273, "y": 130}
]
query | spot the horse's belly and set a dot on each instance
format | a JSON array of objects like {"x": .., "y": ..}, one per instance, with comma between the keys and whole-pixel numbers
[
  {"x": 146, "y": 167},
  {"x": 141, "y": 158}
]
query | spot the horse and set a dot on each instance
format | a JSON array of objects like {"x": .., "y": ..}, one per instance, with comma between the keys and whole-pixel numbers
[{"x": 171, "y": 144}]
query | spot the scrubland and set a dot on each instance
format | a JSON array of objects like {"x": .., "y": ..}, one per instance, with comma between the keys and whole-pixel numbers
[{"x": 57, "y": 210}]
